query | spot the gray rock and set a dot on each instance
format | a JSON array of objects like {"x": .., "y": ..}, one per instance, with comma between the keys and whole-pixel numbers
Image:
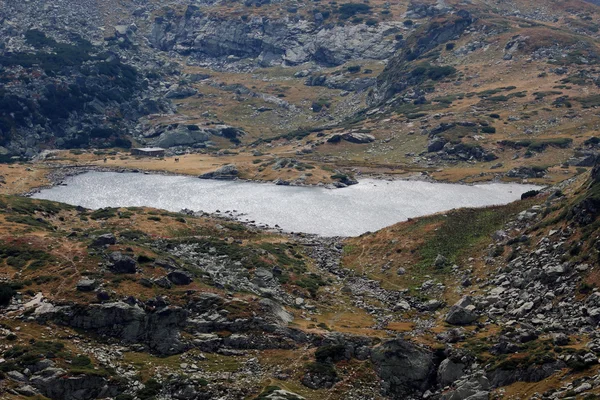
[
  {"x": 106, "y": 239},
  {"x": 404, "y": 367},
  {"x": 474, "y": 387},
  {"x": 121, "y": 264},
  {"x": 226, "y": 172},
  {"x": 281, "y": 394},
  {"x": 57, "y": 386},
  {"x": 86, "y": 285},
  {"x": 352, "y": 137},
  {"x": 560, "y": 339},
  {"x": 182, "y": 136},
  {"x": 178, "y": 92},
  {"x": 16, "y": 376},
  {"x": 208, "y": 342},
  {"x": 159, "y": 329},
  {"x": 436, "y": 144},
  {"x": 584, "y": 387},
  {"x": 271, "y": 41},
  {"x": 179, "y": 277},
  {"x": 526, "y": 172},
  {"x": 27, "y": 390},
  {"x": 163, "y": 282},
  {"x": 432, "y": 305},
  {"x": 440, "y": 261},
  {"x": 449, "y": 372},
  {"x": 462, "y": 313}
]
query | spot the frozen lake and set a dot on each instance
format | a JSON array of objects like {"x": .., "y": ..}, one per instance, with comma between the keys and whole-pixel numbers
[{"x": 368, "y": 206}]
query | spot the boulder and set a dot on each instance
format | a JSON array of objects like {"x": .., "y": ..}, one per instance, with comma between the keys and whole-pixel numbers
[
  {"x": 103, "y": 240},
  {"x": 163, "y": 282},
  {"x": 166, "y": 264},
  {"x": 462, "y": 313},
  {"x": 474, "y": 387},
  {"x": 179, "y": 277},
  {"x": 16, "y": 376},
  {"x": 275, "y": 312},
  {"x": 533, "y": 373},
  {"x": 226, "y": 172},
  {"x": 27, "y": 391},
  {"x": 281, "y": 394},
  {"x": 460, "y": 316},
  {"x": 183, "y": 135},
  {"x": 86, "y": 285},
  {"x": 526, "y": 172},
  {"x": 208, "y": 342},
  {"x": 121, "y": 264},
  {"x": 404, "y": 367},
  {"x": 440, "y": 261},
  {"x": 179, "y": 92},
  {"x": 436, "y": 144},
  {"x": 560, "y": 339},
  {"x": 449, "y": 372},
  {"x": 352, "y": 137},
  {"x": 359, "y": 138}
]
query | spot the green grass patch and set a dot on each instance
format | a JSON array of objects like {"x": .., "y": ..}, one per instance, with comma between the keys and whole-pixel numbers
[{"x": 462, "y": 229}]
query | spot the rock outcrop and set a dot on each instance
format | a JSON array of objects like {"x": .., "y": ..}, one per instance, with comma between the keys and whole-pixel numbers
[
  {"x": 404, "y": 367},
  {"x": 271, "y": 41},
  {"x": 462, "y": 313},
  {"x": 121, "y": 263},
  {"x": 159, "y": 329},
  {"x": 224, "y": 173}
]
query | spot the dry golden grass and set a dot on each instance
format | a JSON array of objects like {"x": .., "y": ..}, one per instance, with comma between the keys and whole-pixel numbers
[{"x": 21, "y": 178}]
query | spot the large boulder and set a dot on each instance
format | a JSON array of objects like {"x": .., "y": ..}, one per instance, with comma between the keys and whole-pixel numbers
[
  {"x": 179, "y": 277},
  {"x": 183, "y": 135},
  {"x": 274, "y": 312},
  {"x": 474, "y": 387},
  {"x": 449, "y": 372},
  {"x": 86, "y": 285},
  {"x": 404, "y": 367},
  {"x": 360, "y": 138},
  {"x": 352, "y": 137},
  {"x": 121, "y": 264},
  {"x": 106, "y": 239},
  {"x": 226, "y": 172},
  {"x": 462, "y": 313},
  {"x": 436, "y": 144}
]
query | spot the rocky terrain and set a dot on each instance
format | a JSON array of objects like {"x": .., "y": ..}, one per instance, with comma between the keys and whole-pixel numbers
[
  {"x": 138, "y": 303},
  {"x": 479, "y": 89},
  {"x": 141, "y": 303}
]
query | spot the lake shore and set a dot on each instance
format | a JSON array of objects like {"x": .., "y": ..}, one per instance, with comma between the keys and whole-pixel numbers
[{"x": 367, "y": 206}]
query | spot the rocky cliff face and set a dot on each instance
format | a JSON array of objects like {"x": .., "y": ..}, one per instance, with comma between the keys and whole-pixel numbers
[{"x": 288, "y": 41}]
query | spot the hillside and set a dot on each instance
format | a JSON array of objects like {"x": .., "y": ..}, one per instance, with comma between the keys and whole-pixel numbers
[
  {"x": 480, "y": 89},
  {"x": 137, "y": 303}
]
